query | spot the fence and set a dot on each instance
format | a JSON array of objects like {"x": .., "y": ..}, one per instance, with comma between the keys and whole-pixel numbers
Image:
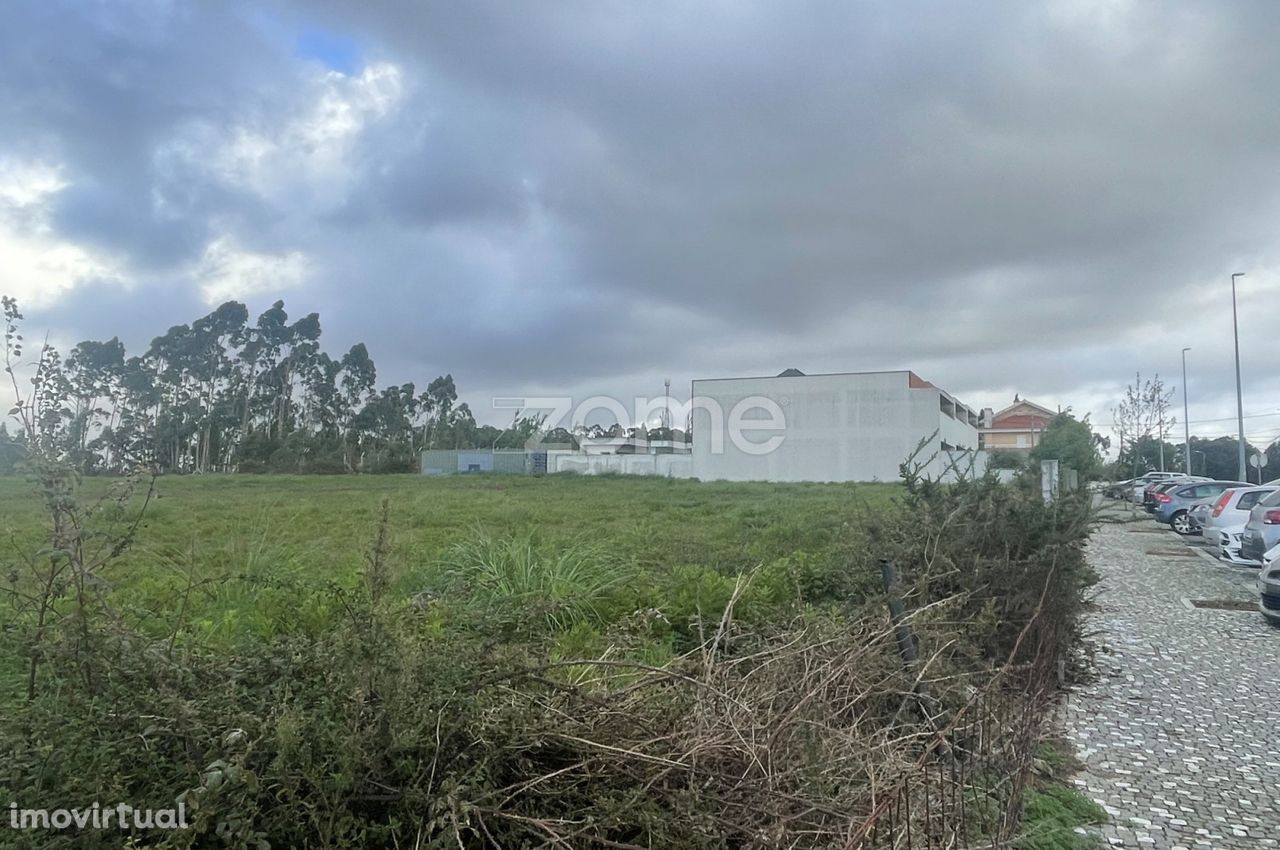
[{"x": 966, "y": 787}]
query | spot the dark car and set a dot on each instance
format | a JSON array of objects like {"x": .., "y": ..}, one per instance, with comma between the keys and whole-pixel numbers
[{"x": 1150, "y": 496}]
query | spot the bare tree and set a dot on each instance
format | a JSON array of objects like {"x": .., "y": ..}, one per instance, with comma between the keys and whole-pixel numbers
[{"x": 1143, "y": 414}]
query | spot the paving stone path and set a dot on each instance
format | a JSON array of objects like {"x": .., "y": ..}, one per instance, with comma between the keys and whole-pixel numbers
[{"x": 1180, "y": 735}]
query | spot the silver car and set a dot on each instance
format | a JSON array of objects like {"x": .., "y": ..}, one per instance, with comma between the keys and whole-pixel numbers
[
  {"x": 1229, "y": 510},
  {"x": 1262, "y": 531},
  {"x": 1269, "y": 587}
]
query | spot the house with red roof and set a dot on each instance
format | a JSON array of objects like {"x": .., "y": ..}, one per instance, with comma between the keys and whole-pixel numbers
[{"x": 1016, "y": 428}]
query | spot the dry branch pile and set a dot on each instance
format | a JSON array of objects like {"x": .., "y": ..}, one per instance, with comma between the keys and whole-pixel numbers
[{"x": 785, "y": 740}]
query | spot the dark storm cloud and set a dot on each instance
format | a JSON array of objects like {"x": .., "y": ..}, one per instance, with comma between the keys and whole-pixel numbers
[{"x": 1006, "y": 196}]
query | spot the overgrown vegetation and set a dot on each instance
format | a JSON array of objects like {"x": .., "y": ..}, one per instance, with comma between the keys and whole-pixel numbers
[
  {"x": 520, "y": 662},
  {"x": 595, "y": 662}
]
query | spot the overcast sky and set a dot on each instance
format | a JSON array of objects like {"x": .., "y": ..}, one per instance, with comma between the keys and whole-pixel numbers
[{"x": 582, "y": 197}]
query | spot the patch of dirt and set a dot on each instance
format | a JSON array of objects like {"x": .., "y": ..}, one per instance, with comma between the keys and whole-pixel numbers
[{"x": 1225, "y": 604}]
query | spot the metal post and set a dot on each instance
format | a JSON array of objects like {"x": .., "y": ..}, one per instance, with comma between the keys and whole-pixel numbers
[
  {"x": 1235, "y": 328},
  {"x": 1186, "y": 416},
  {"x": 929, "y": 706},
  {"x": 897, "y": 615}
]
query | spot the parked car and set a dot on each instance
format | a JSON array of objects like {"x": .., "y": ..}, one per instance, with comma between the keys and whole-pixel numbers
[
  {"x": 1163, "y": 484},
  {"x": 1199, "y": 515},
  {"x": 1149, "y": 500},
  {"x": 1119, "y": 489},
  {"x": 1228, "y": 546},
  {"x": 1174, "y": 503},
  {"x": 1262, "y": 530},
  {"x": 1141, "y": 483},
  {"x": 1230, "y": 510},
  {"x": 1269, "y": 586}
]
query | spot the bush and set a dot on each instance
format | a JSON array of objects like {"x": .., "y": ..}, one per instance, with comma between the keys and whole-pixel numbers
[{"x": 994, "y": 557}]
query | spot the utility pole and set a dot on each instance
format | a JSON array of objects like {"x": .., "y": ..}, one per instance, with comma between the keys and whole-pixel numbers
[
  {"x": 1186, "y": 416},
  {"x": 1235, "y": 328},
  {"x": 1162, "y": 469}
]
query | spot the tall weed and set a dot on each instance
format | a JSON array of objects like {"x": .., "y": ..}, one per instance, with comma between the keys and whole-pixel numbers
[{"x": 566, "y": 585}]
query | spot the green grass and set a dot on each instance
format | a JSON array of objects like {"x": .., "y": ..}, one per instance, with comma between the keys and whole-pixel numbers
[
  {"x": 1053, "y": 813},
  {"x": 1054, "y": 810},
  {"x": 260, "y": 552}
]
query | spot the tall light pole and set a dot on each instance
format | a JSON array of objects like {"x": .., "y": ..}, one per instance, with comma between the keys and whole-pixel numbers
[
  {"x": 1186, "y": 417},
  {"x": 1235, "y": 327}
]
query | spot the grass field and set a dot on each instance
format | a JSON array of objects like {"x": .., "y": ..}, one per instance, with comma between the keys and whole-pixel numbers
[
  {"x": 257, "y": 549},
  {"x": 504, "y": 660}
]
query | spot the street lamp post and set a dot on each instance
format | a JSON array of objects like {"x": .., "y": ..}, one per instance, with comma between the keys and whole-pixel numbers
[
  {"x": 1186, "y": 421},
  {"x": 1235, "y": 328}
]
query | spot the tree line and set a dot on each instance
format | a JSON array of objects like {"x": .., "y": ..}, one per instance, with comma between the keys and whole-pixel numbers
[{"x": 225, "y": 393}]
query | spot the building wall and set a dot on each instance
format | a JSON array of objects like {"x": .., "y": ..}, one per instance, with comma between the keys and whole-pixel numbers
[
  {"x": 451, "y": 462},
  {"x": 1009, "y": 440},
  {"x": 665, "y": 465},
  {"x": 851, "y": 427}
]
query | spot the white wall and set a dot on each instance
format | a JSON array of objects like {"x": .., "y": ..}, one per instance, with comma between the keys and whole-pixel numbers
[
  {"x": 669, "y": 466},
  {"x": 854, "y": 427}
]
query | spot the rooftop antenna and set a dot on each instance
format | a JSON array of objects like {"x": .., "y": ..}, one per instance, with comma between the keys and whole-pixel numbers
[{"x": 666, "y": 385}]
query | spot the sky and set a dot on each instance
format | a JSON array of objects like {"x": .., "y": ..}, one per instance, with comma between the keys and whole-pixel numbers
[{"x": 580, "y": 198}]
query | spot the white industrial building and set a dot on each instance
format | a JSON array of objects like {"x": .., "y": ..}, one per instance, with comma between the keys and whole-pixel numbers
[{"x": 857, "y": 426}]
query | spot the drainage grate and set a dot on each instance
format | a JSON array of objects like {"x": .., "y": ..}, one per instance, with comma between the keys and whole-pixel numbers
[
  {"x": 1173, "y": 553},
  {"x": 1225, "y": 605}
]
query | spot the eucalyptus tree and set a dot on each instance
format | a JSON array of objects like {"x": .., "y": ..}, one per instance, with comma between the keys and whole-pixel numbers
[
  {"x": 299, "y": 346},
  {"x": 259, "y": 356},
  {"x": 438, "y": 402},
  {"x": 211, "y": 367},
  {"x": 356, "y": 380},
  {"x": 223, "y": 393},
  {"x": 93, "y": 372}
]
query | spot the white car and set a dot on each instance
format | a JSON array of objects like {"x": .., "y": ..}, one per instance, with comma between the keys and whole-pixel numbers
[{"x": 1227, "y": 542}]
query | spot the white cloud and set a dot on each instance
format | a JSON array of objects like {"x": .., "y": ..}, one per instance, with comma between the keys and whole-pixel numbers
[
  {"x": 36, "y": 266},
  {"x": 302, "y": 158},
  {"x": 227, "y": 271}
]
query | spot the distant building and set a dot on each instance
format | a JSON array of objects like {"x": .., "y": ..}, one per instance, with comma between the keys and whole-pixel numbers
[
  {"x": 454, "y": 461},
  {"x": 1017, "y": 428},
  {"x": 857, "y": 426},
  {"x": 632, "y": 446}
]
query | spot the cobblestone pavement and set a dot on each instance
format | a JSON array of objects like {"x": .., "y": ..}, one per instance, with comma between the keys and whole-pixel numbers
[{"x": 1180, "y": 735}]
